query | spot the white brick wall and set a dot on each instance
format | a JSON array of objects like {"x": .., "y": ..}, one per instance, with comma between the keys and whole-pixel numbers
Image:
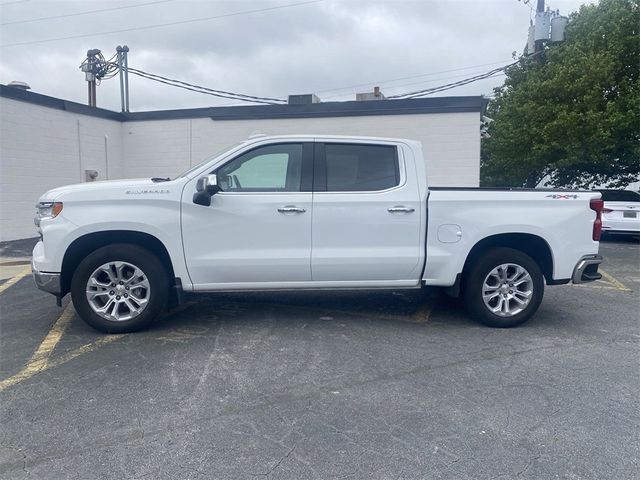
[
  {"x": 451, "y": 141},
  {"x": 42, "y": 148}
]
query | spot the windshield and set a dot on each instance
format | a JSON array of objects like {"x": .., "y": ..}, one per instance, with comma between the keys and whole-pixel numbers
[{"x": 208, "y": 159}]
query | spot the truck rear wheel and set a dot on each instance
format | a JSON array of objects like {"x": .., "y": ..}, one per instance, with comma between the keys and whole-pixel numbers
[
  {"x": 119, "y": 288},
  {"x": 503, "y": 288}
]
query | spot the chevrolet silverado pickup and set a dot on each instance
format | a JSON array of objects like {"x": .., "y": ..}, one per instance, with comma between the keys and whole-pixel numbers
[{"x": 309, "y": 212}]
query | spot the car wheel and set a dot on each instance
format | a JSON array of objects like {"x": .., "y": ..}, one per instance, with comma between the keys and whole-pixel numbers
[
  {"x": 119, "y": 288},
  {"x": 503, "y": 288}
]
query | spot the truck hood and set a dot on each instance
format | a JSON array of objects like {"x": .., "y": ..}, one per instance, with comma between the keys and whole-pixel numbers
[{"x": 97, "y": 187}]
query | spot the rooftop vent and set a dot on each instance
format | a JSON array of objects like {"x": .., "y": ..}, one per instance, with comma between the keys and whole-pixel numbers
[
  {"x": 19, "y": 85},
  {"x": 375, "y": 95},
  {"x": 305, "y": 99}
]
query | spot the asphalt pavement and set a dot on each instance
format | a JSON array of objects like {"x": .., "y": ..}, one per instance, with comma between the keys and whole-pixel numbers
[{"x": 375, "y": 385}]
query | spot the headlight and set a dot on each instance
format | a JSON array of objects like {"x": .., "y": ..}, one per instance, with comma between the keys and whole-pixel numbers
[{"x": 45, "y": 210}]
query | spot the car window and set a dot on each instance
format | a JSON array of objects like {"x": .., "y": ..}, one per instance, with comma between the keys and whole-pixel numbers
[
  {"x": 353, "y": 168},
  {"x": 272, "y": 168},
  {"x": 620, "y": 196}
]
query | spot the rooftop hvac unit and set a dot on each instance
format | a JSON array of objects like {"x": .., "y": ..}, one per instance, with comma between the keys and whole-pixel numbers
[
  {"x": 304, "y": 99},
  {"x": 558, "y": 26},
  {"x": 375, "y": 95}
]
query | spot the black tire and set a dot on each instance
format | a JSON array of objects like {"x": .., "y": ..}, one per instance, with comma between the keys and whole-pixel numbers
[
  {"x": 473, "y": 288},
  {"x": 141, "y": 258}
]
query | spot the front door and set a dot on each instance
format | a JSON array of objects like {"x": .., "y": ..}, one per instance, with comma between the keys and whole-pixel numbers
[{"x": 257, "y": 231}]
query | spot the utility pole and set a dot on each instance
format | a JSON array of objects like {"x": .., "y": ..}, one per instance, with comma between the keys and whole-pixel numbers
[
  {"x": 96, "y": 68},
  {"x": 539, "y": 42},
  {"x": 121, "y": 75},
  {"x": 90, "y": 68},
  {"x": 549, "y": 27},
  {"x": 123, "y": 67}
]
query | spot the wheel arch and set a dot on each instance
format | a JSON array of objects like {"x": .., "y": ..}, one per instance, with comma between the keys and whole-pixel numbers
[
  {"x": 84, "y": 245},
  {"x": 530, "y": 244}
]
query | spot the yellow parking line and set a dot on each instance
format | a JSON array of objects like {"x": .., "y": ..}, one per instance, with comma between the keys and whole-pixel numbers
[
  {"x": 617, "y": 284},
  {"x": 89, "y": 347},
  {"x": 40, "y": 359},
  {"x": 16, "y": 278},
  {"x": 42, "y": 354},
  {"x": 30, "y": 371}
]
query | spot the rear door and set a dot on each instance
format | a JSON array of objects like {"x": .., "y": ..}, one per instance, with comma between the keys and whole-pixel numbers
[{"x": 366, "y": 214}]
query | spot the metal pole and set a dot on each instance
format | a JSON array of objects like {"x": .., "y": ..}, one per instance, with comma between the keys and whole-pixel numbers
[
  {"x": 121, "y": 74},
  {"x": 92, "y": 93},
  {"x": 539, "y": 44},
  {"x": 125, "y": 52}
]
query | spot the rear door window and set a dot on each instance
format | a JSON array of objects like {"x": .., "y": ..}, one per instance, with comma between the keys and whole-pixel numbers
[{"x": 358, "y": 168}]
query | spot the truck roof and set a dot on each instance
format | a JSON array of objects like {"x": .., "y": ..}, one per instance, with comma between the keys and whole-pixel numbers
[{"x": 360, "y": 138}]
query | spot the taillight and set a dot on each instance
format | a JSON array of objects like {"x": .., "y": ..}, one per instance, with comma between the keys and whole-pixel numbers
[
  {"x": 597, "y": 205},
  {"x": 606, "y": 210}
]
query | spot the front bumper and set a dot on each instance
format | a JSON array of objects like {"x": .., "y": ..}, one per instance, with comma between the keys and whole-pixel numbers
[
  {"x": 587, "y": 269},
  {"x": 49, "y": 282}
]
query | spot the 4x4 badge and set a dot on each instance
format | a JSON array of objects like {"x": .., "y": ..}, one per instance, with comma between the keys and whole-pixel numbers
[{"x": 557, "y": 196}]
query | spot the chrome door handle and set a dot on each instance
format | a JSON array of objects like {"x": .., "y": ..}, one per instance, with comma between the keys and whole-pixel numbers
[
  {"x": 400, "y": 209},
  {"x": 291, "y": 209}
]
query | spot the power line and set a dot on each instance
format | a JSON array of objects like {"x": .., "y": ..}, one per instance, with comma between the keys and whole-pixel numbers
[
  {"x": 159, "y": 25},
  {"x": 87, "y": 12},
  {"x": 205, "y": 90},
  {"x": 459, "y": 83},
  {"x": 382, "y": 82},
  {"x": 430, "y": 81},
  {"x": 447, "y": 86},
  {"x": 433, "y": 80}
]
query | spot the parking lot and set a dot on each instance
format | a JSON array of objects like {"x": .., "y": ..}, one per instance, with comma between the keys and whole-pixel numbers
[{"x": 386, "y": 385}]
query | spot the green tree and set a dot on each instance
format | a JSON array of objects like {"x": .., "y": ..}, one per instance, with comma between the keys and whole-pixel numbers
[{"x": 572, "y": 116}]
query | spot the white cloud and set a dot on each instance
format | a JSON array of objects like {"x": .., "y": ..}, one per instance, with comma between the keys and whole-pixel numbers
[{"x": 307, "y": 48}]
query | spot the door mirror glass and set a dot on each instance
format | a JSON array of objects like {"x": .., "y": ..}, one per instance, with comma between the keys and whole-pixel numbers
[
  {"x": 208, "y": 184},
  {"x": 206, "y": 187}
]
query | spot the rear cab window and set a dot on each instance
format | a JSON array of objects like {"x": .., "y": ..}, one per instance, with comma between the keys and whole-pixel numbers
[{"x": 342, "y": 167}]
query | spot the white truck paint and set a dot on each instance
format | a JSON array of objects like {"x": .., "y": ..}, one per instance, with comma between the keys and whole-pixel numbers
[{"x": 404, "y": 235}]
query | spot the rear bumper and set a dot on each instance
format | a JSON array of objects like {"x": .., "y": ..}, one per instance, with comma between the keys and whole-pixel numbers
[
  {"x": 620, "y": 232},
  {"x": 46, "y": 281},
  {"x": 626, "y": 225},
  {"x": 586, "y": 269}
]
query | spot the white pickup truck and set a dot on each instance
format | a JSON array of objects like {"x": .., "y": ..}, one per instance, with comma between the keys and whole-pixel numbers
[{"x": 309, "y": 212}]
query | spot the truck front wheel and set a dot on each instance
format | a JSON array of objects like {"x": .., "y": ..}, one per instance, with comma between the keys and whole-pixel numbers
[
  {"x": 119, "y": 288},
  {"x": 503, "y": 288}
]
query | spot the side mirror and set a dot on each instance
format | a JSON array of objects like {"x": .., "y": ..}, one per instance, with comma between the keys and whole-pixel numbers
[
  {"x": 206, "y": 187},
  {"x": 208, "y": 184}
]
